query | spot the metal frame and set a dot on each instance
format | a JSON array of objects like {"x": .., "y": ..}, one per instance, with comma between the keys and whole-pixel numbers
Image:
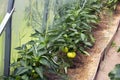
[
  {"x": 5, "y": 20},
  {"x": 8, "y": 40}
]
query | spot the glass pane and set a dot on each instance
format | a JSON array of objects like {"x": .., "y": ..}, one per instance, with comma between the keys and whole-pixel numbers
[{"x": 3, "y": 8}]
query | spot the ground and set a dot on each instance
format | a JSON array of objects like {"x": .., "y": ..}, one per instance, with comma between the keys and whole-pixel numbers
[{"x": 110, "y": 60}]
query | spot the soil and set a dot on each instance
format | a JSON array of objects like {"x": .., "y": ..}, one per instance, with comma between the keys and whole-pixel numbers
[
  {"x": 110, "y": 60},
  {"x": 103, "y": 34}
]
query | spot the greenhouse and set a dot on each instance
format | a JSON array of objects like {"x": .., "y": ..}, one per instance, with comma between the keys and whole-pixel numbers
[{"x": 59, "y": 40}]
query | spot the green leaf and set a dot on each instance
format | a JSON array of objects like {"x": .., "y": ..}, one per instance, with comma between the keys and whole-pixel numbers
[
  {"x": 72, "y": 29},
  {"x": 35, "y": 50},
  {"x": 113, "y": 44},
  {"x": 32, "y": 42},
  {"x": 45, "y": 62},
  {"x": 72, "y": 34},
  {"x": 77, "y": 41},
  {"x": 85, "y": 52},
  {"x": 74, "y": 25},
  {"x": 21, "y": 70},
  {"x": 23, "y": 63},
  {"x": 88, "y": 44},
  {"x": 118, "y": 49},
  {"x": 83, "y": 37},
  {"x": 25, "y": 77},
  {"x": 41, "y": 52},
  {"x": 35, "y": 35},
  {"x": 58, "y": 36},
  {"x": 92, "y": 38},
  {"x": 93, "y": 21},
  {"x": 14, "y": 64},
  {"x": 115, "y": 73},
  {"x": 72, "y": 18},
  {"x": 42, "y": 45},
  {"x": 30, "y": 50},
  {"x": 24, "y": 47},
  {"x": 18, "y": 48},
  {"x": 39, "y": 70}
]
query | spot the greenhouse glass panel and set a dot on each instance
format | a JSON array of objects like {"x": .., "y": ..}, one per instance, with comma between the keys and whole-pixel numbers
[{"x": 3, "y": 9}]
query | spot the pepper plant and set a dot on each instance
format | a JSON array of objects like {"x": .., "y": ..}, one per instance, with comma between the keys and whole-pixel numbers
[
  {"x": 53, "y": 49},
  {"x": 36, "y": 60},
  {"x": 76, "y": 24}
]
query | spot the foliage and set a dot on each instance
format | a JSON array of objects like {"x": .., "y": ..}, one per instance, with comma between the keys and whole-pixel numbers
[
  {"x": 47, "y": 53},
  {"x": 113, "y": 44},
  {"x": 111, "y": 4},
  {"x": 35, "y": 61},
  {"x": 76, "y": 24},
  {"x": 118, "y": 49},
  {"x": 115, "y": 73}
]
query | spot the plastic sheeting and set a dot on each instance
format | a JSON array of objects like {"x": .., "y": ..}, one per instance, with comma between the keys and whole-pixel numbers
[{"x": 3, "y": 9}]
